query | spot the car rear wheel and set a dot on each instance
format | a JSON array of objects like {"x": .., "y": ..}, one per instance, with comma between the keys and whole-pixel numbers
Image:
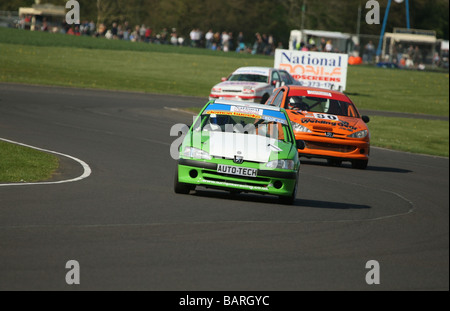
[
  {"x": 179, "y": 187},
  {"x": 360, "y": 164}
]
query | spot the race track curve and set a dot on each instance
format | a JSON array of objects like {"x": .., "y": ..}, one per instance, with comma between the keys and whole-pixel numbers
[{"x": 129, "y": 231}]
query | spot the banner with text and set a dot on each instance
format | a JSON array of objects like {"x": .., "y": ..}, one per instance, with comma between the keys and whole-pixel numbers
[{"x": 315, "y": 69}]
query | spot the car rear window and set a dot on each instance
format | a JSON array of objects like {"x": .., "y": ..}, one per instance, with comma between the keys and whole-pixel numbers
[{"x": 249, "y": 78}]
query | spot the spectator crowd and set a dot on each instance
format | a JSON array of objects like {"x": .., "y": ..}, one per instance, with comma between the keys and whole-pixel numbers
[
  {"x": 217, "y": 41},
  {"x": 226, "y": 41}
]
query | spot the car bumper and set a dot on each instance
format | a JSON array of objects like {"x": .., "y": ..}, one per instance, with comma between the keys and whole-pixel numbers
[
  {"x": 200, "y": 173},
  {"x": 324, "y": 147}
]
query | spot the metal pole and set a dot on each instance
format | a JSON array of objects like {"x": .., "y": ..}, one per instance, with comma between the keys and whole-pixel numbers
[
  {"x": 383, "y": 29},
  {"x": 407, "y": 15},
  {"x": 358, "y": 23}
]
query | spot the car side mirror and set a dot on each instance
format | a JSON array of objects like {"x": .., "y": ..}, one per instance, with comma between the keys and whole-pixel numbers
[
  {"x": 300, "y": 144},
  {"x": 366, "y": 119},
  {"x": 223, "y": 79}
]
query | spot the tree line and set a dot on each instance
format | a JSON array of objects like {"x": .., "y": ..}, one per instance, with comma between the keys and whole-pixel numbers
[{"x": 275, "y": 17}]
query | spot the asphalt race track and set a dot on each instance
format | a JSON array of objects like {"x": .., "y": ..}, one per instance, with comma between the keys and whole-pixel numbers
[{"x": 129, "y": 231}]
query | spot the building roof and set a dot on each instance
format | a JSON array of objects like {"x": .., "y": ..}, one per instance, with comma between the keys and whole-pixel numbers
[{"x": 43, "y": 9}]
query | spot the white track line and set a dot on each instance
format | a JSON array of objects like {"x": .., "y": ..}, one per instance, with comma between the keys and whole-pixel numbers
[{"x": 87, "y": 170}]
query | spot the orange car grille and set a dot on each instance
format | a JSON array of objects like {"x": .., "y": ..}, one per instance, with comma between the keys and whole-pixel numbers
[{"x": 329, "y": 147}]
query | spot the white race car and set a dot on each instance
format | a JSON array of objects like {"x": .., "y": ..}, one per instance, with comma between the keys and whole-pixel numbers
[{"x": 252, "y": 84}]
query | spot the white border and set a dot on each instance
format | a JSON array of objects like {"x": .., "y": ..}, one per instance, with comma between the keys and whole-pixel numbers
[{"x": 87, "y": 170}]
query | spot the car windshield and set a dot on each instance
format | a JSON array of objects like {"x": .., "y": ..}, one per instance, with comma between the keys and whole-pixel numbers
[
  {"x": 321, "y": 105},
  {"x": 244, "y": 120},
  {"x": 249, "y": 78}
]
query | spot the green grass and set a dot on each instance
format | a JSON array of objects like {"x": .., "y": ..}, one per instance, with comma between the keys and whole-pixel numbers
[
  {"x": 399, "y": 90},
  {"x": 410, "y": 135},
  {"x": 164, "y": 73},
  {"x": 22, "y": 164}
]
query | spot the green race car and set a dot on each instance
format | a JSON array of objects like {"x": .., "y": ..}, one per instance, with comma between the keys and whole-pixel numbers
[{"x": 240, "y": 147}]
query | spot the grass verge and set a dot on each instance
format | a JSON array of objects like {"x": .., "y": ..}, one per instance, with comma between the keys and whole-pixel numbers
[
  {"x": 399, "y": 90},
  {"x": 411, "y": 135},
  {"x": 156, "y": 72},
  {"x": 22, "y": 164}
]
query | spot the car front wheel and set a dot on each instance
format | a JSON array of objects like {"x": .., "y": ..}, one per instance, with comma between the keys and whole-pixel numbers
[
  {"x": 334, "y": 162},
  {"x": 179, "y": 187},
  {"x": 289, "y": 200},
  {"x": 360, "y": 164}
]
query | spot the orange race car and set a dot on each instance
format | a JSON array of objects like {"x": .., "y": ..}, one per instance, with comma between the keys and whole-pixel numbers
[{"x": 328, "y": 122}]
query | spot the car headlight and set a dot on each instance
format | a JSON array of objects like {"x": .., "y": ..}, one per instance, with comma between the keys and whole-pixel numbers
[
  {"x": 360, "y": 134},
  {"x": 248, "y": 91},
  {"x": 195, "y": 153},
  {"x": 281, "y": 164},
  {"x": 300, "y": 128},
  {"x": 216, "y": 90}
]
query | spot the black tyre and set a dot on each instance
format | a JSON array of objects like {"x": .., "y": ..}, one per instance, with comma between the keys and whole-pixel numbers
[
  {"x": 289, "y": 200},
  {"x": 179, "y": 187},
  {"x": 334, "y": 162},
  {"x": 264, "y": 99},
  {"x": 235, "y": 192},
  {"x": 360, "y": 164}
]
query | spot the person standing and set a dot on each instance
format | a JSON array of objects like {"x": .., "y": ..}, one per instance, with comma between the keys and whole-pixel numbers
[
  {"x": 417, "y": 57},
  {"x": 329, "y": 46},
  {"x": 209, "y": 37},
  {"x": 370, "y": 51}
]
